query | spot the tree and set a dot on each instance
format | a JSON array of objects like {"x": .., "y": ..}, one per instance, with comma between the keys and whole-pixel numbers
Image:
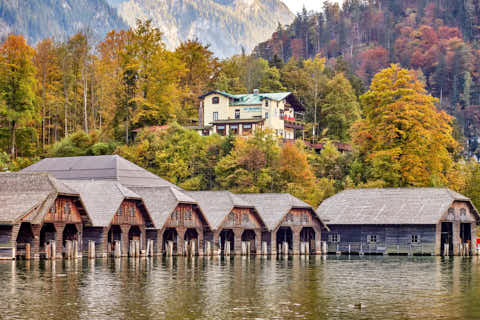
[
  {"x": 341, "y": 108},
  {"x": 405, "y": 139},
  {"x": 315, "y": 69},
  {"x": 17, "y": 84}
]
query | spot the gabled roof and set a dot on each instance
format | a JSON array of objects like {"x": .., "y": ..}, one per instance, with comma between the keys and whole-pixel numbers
[
  {"x": 101, "y": 198},
  {"x": 389, "y": 206},
  {"x": 273, "y": 207},
  {"x": 109, "y": 167},
  {"x": 161, "y": 202},
  {"x": 28, "y": 193},
  {"x": 253, "y": 99},
  {"x": 217, "y": 205}
]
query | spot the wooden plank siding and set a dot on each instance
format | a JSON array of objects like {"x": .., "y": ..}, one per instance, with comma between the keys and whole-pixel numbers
[
  {"x": 63, "y": 210},
  {"x": 244, "y": 218},
  {"x": 390, "y": 239},
  {"x": 129, "y": 214},
  {"x": 187, "y": 216}
]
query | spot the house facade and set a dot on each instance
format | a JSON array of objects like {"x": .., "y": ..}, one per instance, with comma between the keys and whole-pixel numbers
[
  {"x": 243, "y": 114},
  {"x": 408, "y": 221}
]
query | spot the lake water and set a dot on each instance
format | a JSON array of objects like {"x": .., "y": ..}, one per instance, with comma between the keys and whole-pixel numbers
[{"x": 243, "y": 288}]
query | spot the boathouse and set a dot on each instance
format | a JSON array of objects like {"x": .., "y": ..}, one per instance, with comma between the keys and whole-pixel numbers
[
  {"x": 119, "y": 218},
  {"x": 292, "y": 226},
  {"x": 39, "y": 217},
  {"x": 236, "y": 227},
  {"x": 181, "y": 224},
  {"x": 408, "y": 221}
]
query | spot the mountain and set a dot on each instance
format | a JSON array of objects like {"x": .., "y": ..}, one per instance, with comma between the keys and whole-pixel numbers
[
  {"x": 227, "y": 25},
  {"x": 39, "y": 19}
]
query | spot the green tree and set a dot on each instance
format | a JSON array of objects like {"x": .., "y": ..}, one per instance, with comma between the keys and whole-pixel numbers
[{"x": 17, "y": 84}]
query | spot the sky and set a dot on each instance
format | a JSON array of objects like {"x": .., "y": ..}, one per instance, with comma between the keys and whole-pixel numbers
[{"x": 297, "y": 5}]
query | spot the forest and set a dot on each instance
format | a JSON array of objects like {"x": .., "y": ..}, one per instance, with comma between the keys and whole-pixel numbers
[{"x": 400, "y": 96}]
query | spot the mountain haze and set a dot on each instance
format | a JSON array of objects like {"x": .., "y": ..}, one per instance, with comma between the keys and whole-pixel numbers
[
  {"x": 227, "y": 25},
  {"x": 39, "y": 19}
]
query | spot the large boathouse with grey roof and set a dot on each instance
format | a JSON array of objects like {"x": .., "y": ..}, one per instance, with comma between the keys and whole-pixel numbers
[
  {"x": 292, "y": 225},
  {"x": 414, "y": 221}
]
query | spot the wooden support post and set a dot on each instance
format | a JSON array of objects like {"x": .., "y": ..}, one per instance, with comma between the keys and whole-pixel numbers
[
  {"x": 137, "y": 248},
  {"x": 36, "y": 241},
  {"x": 258, "y": 242},
  {"x": 237, "y": 241},
  {"x": 118, "y": 249},
  {"x": 216, "y": 244},
  {"x": 68, "y": 249},
  {"x": 302, "y": 248},
  {"x": 169, "y": 248},
  {"x": 244, "y": 248},
  {"x": 27, "y": 251},
  {"x": 48, "y": 251},
  {"x": 91, "y": 249},
  {"x": 285, "y": 248},
  {"x": 264, "y": 248},
  {"x": 59, "y": 227},
  {"x": 248, "y": 248},
  {"x": 53, "y": 248},
  {"x": 208, "y": 248},
  {"x": 125, "y": 240},
  {"x": 181, "y": 241},
  {"x": 226, "y": 250},
  {"x": 149, "y": 245},
  {"x": 273, "y": 243},
  {"x": 296, "y": 239}
]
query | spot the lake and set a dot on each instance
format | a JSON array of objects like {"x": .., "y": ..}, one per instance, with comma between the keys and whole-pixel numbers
[{"x": 243, "y": 288}]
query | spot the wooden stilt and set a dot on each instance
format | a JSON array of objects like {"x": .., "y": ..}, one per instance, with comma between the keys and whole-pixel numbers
[{"x": 27, "y": 251}]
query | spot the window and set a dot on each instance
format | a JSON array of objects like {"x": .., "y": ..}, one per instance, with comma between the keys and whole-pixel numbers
[
  {"x": 266, "y": 115},
  {"x": 53, "y": 209},
  {"x": 119, "y": 211},
  {"x": 175, "y": 215},
  {"x": 126, "y": 210},
  {"x": 237, "y": 114},
  {"x": 289, "y": 217},
  {"x": 188, "y": 214},
  {"x": 415, "y": 238},
  {"x": 372, "y": 238},
  {"x": 231, "y": 217},
  {"x": 282, "y": 114},
  {"x": 245, "y": 218},
  {"x": 132, "y": 212},
  {"x": 306, "y": 218},
  {"x": 266, "y": 102},
  {"x": 334, "y": 237},
  {"x": 215, "y": 116},
  {"x": 215, "y": 100},
  {"x": 233, "y": 129},
  {"x": 221, "y": 130},
  {"x": 247, "y": 129},
  {"x": 67, "y": 208},
  {"x": 463, "y": 212},
  {"x": 451, "y": 214}
]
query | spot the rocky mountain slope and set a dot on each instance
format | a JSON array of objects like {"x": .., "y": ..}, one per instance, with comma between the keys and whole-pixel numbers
[
  {"x": 227, "y": 25},
  {"x": 39, "y": 19}
]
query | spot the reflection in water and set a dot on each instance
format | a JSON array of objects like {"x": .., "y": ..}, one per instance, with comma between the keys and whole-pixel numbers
[{"x": 242, "y": 288}]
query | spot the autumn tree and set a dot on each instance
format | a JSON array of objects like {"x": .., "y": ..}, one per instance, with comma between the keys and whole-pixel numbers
[
  {"x": 405, "y": 139},
  {"x": 316, "y": 77},
  {"x": 17, "y": 84}
]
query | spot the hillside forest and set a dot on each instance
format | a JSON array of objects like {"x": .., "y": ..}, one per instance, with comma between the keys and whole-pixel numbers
[{"x": 399, "y": 95}]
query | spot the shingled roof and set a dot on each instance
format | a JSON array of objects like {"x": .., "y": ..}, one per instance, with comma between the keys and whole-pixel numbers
[
  {"x": 389, "y": 206},
  {"x": 273, "y": 207},
  {"x": 217, "y": 205},
  {"x": 101, "y": 198},
  {"x": 109, "y": 167},
  {"x": 28, "y": 196},
  {"x": 162, "y": 201}
]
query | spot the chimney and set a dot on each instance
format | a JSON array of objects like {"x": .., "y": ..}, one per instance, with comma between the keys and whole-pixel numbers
[{"x": 256, "y": 92}]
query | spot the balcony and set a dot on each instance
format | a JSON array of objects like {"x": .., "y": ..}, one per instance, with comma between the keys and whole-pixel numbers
[{"x": 291, "y": 122}]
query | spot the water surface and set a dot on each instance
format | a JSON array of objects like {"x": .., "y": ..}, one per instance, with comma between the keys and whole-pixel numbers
[{"x": 243, "y": 288}]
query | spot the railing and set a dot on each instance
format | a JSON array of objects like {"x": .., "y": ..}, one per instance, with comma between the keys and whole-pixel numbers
[{"x": 380, "y": 248}]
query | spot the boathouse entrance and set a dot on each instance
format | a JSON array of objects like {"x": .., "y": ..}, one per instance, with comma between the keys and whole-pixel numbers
[
  {"x": 227, "y": 241},
  {"x": 115, "y": 238},
  {"x": 446, "y": 247},
  {"x": 191, "y": 242},
  {"x": 466, "y": 238},
  {"x": 169, "y": 242},
  {"x": 24, "y": 240},
  {"x": 248, "y": 242},
  {"x": 47, "y": 235},
  {"x": 284, "y": 240},
  {"x": 307, "y": 240}
]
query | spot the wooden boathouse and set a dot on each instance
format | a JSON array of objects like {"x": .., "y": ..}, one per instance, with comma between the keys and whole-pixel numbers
[
  {"x": 119, "y": 218},
  {"x": 39, "y": 217},
  {"x": 236, "y": 227},
  {"x": 408, "y": 221},
  {"x": 292, "y": 226},
  {"x": 181, "y": 224}
]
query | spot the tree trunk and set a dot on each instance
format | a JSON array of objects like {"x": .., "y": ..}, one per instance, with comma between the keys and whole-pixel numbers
[{"x": 13, "y": 150}]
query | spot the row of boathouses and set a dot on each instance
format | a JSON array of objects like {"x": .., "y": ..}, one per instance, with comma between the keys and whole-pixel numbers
[{"x": 107, "y": 206}]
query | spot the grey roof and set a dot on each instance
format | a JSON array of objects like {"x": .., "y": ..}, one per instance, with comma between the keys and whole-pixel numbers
[
  {"x": 101, "y": 198},
  {"x": 389, "y": 206},
  {"x": 272, "y": 207},
  {"x": 28, "y": 193},
  {"x": 161, "y": 202},
  {"x": 216, "y": 205},
  {"x": 109, "y": 167}
]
